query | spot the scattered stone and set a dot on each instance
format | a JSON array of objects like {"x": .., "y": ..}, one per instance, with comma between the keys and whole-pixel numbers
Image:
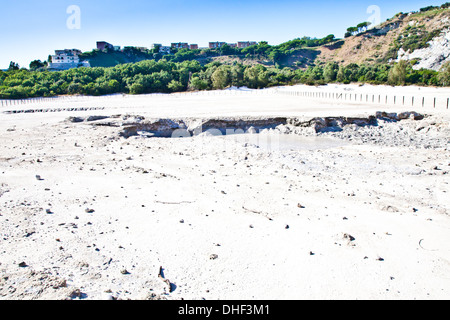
[
  {"x": 410, "y": 115},
  {"x": 29, "y": 233},
  {"x": 96, "y": 118},
  {"x": 154, "y": 296},
  {"x": 23, "y": 265},
  {"x": 349, "y": 237},
  {"x": 87, "y": 210},
  {"x": 75, "y": 294},
  {"x": 75, "y": 119},
  {"x": 213, "y": 257},
  {"x": 60, "y": 283},
  {"x": 124, "y": 271},
  {"x": 390, "y": 209},
  {"x": 38, "y": 177},
  {"x": 166, "y": 281}
]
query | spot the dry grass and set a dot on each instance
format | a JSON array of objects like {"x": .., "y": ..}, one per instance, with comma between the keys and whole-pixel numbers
[{"x": 368, "y": 48}]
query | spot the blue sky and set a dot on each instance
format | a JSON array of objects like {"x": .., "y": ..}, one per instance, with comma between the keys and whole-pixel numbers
[{"x": 33, "y": 29}]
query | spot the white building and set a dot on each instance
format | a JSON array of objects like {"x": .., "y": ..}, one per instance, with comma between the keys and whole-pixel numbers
[
  {"x": 162, "y": 49},
  {"x": 245, "y": 44},
  {"x": 67, "y": 59}
]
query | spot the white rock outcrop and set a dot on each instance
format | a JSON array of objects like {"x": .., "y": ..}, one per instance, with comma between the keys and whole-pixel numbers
[{"x": 432, "y": 57}]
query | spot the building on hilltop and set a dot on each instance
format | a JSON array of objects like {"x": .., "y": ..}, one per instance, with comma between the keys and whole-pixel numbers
[
  {"x": 162, "y": 49},
  {"x": 67, "y": 59},
  {"x": 174, "y": 45},
  {"x": 180, "y": 45},
  {"x": 216, "y": 45},
  {"x": 245, "y": 44},
  {"x": 102, "y": 45}
]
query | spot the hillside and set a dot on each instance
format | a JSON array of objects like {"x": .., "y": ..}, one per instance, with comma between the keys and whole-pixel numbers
[
  {"x": 404, "y": 33},
  {"x": 300, "y": 59},
  {"x": 111, "y": 58}
]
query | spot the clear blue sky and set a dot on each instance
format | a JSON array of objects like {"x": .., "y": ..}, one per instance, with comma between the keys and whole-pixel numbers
[{"x": 33, "y": 29}]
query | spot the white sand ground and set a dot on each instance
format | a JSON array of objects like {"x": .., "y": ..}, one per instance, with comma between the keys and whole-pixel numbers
[{"x": 357, "y": 214}]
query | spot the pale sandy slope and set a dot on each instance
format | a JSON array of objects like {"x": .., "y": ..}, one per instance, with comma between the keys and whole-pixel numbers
[{"x": 225, "y": 219}]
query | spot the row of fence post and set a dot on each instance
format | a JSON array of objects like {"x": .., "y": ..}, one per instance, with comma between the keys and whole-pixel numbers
[
  {"x": 343, "y": 96},
  {"x": 363, "y": 97},
  {"x": 14, "y": 102}
]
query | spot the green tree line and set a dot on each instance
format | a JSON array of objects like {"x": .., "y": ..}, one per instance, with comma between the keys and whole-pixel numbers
[{"x": 164, "y": 76}]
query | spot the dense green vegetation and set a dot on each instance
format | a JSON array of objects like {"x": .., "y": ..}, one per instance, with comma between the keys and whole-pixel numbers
[
  {"x": 110, "y": 58},
  {"x": 164, "y": 76},
  {"x": 429, "y": 8}
]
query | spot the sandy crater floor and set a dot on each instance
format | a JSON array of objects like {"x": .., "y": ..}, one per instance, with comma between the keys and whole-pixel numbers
[{"x": 361, "y": 213}]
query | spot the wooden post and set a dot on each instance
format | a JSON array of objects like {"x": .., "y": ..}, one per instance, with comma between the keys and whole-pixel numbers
[
  {"x": 447, "y": 102},
  {"x": 423, "y": 102},
  {"x": 434, "y": 103}
]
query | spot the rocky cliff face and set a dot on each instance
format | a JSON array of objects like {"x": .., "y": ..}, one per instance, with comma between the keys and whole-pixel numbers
[
  {"x": 421, "y": 36},
  {"x": 432, "y": 57}
]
